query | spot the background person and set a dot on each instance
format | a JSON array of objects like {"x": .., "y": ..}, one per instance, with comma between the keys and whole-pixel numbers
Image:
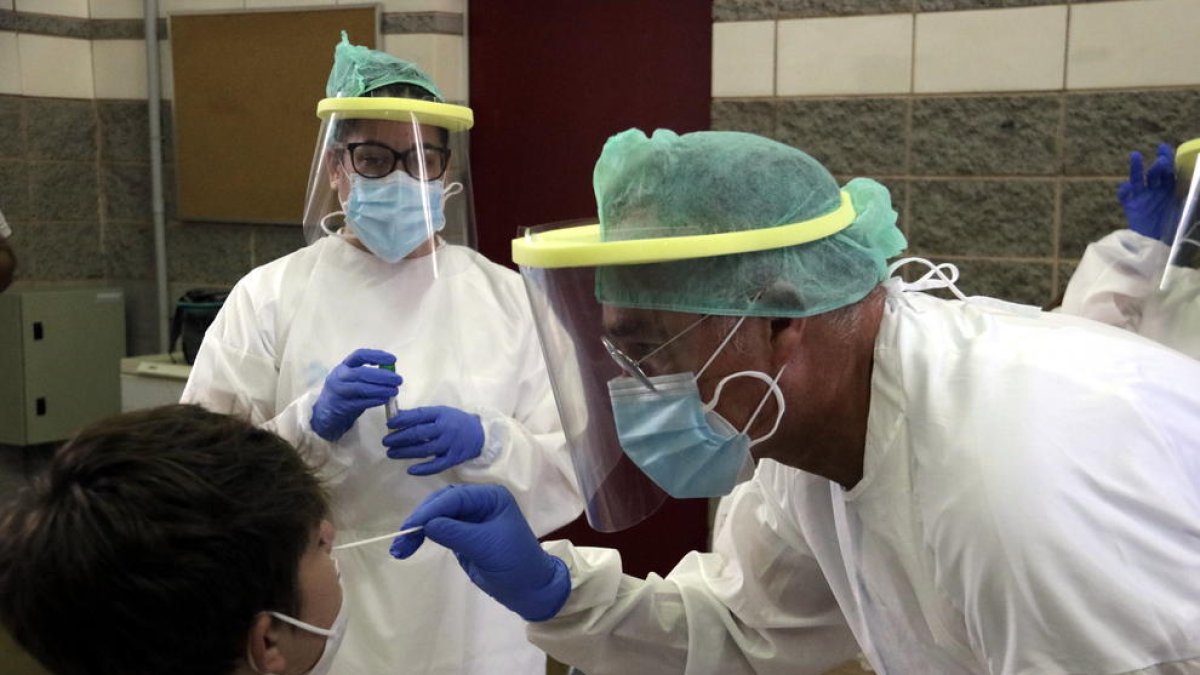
[
  {"x": 296, "y": 349},
  {"x": 1144, "y": 278}
]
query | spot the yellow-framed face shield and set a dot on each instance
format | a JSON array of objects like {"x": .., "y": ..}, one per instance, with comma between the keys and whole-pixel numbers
[
  {"x": 391, "y": 175},
  {"x": 1184, "y": 259},
  {"x": 551, "y": 247},
  {"x": 567, "y": 267}
]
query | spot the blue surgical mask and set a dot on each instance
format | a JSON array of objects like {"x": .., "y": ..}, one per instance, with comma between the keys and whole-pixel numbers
[
  {"x": 684, "y": 445},
  {"x": 388, "y": 215}
]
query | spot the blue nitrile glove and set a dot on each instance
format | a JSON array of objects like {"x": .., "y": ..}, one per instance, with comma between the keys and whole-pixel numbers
[
  {"x": 1149, "y": 199},
  {"x": 350, "y": 389},
  {"x": 484, "y": 527},
  {"x": 447, "y": 434}
]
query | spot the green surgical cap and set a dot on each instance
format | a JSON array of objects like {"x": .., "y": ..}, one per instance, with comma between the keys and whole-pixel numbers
[
  {"x": 358, "y": 70},
  {"x": 720, "y": 181}
]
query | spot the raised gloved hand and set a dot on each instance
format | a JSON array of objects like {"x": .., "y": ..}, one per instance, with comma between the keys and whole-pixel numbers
[
  {"x": 1149, "y": 198},
  {"x": 484, "y": 527},
  {"x": 448, "y": 435},
  {"x": 351, "y": 388}
]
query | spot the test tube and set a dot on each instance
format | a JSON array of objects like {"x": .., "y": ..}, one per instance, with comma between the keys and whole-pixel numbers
[{"x": 391, "y": 408}]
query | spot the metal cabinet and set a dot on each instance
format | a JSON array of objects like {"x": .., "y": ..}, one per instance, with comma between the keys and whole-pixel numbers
[
  {"x": 152, "y": 380},
  {"x": 60, "y": 353}
]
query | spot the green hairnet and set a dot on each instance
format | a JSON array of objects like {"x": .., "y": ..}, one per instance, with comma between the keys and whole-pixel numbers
[
  {"x": 719, "y": 181},
  {"x": 358, "y": 70}
]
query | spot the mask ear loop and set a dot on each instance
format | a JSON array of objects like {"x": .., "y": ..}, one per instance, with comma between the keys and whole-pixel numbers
[
  {"x": 944, "y": 275},
  {"x": 773, "y": 389},
  {"x": 324, "y": 223},
  {"x": 323, "y": 632},
  {"x": 451, "y": 190}
]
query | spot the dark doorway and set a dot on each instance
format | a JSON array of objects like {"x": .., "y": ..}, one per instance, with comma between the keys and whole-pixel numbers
[{"x": 550, "y": 82}]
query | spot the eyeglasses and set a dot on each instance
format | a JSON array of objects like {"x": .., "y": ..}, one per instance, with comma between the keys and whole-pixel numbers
[
  {"x": 632, "y": 367},
  {"x": 627, "y": 364},
  {"x": 376, "y": 160}
]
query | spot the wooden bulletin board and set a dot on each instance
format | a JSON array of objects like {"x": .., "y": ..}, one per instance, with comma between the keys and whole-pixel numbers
[{"x": 246, "y": 92}]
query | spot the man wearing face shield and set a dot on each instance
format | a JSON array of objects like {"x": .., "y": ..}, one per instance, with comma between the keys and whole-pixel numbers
[
  {"x": 1145, "y": 278},
  {"x": 307, "y": 345},
  {"x": 949, "y": 486}
]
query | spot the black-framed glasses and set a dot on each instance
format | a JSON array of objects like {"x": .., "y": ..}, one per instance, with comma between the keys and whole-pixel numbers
[{"x": 372, "y": 159}]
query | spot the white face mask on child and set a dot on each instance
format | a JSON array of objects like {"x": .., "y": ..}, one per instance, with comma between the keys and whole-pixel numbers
[{"x": 333, "y": 637}]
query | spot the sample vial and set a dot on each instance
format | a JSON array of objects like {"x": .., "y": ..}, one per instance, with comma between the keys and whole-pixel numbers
[{"x": 391, "y": 408}]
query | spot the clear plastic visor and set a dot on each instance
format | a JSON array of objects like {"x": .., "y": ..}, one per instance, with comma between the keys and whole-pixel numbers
[
  {"x": 587, "y": 344},
  {"x": 1184, "y": 260},
  {"x": 393, "y": 187}
]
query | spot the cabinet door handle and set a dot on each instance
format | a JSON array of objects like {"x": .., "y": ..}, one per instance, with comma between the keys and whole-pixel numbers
[
  {"x": 38, "y": 333},
  {"x": 40, "y": 406}
]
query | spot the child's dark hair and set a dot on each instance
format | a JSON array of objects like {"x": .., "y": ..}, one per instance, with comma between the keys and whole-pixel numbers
[{"x": 152, "y": 540}]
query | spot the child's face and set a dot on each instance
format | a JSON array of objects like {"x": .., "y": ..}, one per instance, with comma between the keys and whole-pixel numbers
[{"x": 320, "y": 594}]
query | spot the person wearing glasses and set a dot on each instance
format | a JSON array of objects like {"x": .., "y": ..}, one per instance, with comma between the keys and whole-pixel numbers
[
  {"x": 950, "y": 486},
  {"x": 379, "y": 310}
]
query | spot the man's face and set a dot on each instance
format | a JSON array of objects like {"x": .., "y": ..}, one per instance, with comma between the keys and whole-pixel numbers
[
  {"x": 320, "y": 596},
  {"x": 396, "y": 135},
  {"x": 641, "y": 334}
]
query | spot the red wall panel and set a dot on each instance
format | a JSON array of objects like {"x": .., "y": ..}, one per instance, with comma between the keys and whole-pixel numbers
[{"x": 550, "y": 82}]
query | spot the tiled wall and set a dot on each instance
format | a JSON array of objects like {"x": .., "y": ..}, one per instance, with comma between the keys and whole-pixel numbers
[
  {"x": 1002, "y": 126},
  {"x": 74, "y": 157}
]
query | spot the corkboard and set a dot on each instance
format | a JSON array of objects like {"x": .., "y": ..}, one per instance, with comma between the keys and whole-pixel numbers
[{"x": 246, "y": 92}]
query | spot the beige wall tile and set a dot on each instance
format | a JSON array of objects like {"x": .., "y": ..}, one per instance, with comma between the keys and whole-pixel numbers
[
  {"x": 287, "y": 4},
  {"x": 57, "y": 7},
  {"x": 454, "y": 6},
  {"x": 117, "y": 9},
  {"x": 991, "y": 50},
  {"x": 119, "y": 67},
  {"x": 55, "y": 66},
  {"x": 443, "y": 57},
  {"x": 845, "y": 55},
  {"x": 167, "y": 7},
  {"x": 743, "y": 59},
  {"x": 10, "y": 64},
  {"x": 1134, "y": 44}
]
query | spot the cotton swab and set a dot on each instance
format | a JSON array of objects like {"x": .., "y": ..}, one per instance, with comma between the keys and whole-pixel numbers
[{"x": 372, "y": 540}]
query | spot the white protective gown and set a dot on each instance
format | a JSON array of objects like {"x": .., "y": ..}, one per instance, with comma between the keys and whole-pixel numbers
[
  {"x": 1117, "y": 283},
  {"x": 465, "y": 339},
  {"x": 1030, "y": 504}
]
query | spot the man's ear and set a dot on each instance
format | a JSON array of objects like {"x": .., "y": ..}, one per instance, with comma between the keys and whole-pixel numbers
[
  {"x": 787, "y": 336},
  {"x": 262, "y": 646}
]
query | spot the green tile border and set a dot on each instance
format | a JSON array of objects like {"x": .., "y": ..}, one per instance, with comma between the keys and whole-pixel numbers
[
  {"x": 417, "y": 23},
  {"x": 770, "y": 10},
  {"x": 391, "y": 23},
  {"x": 76, "y": 27}
]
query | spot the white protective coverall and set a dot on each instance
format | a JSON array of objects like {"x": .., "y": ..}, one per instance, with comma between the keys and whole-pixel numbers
[
  {"x": 1117, "y": 283},
  {"x": 1030, "y": 503},
  {"x": 464, "y": 339}
]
